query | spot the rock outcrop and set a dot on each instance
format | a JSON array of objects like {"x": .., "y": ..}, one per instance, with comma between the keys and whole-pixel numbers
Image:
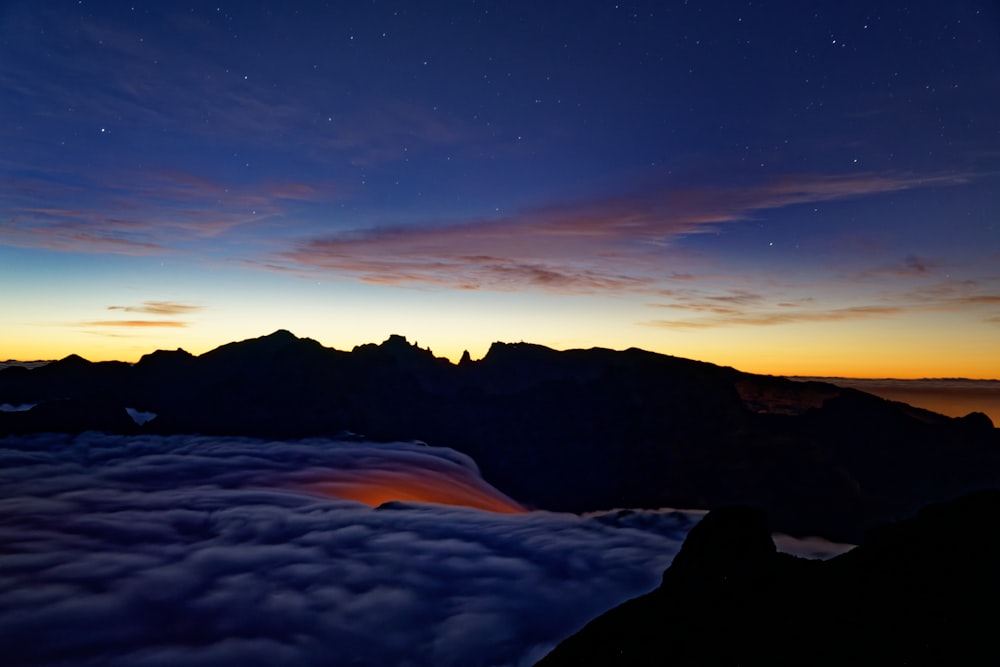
[{"x": 919, "y": 592}]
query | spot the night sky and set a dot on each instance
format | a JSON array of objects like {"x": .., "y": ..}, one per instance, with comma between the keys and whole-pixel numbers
[{"x": 806, "y": 188}]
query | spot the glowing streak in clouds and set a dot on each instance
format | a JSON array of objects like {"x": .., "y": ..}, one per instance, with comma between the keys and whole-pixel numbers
[{"x": 456, "y": 486}]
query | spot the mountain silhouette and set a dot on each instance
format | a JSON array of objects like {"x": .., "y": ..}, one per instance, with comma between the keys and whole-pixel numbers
[
  {"x": 921, "y": 591},
  {"x": 578, "y": 430}
]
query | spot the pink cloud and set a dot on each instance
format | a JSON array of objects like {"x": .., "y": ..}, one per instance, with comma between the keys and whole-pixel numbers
[
  {"x": 703, "y": 310},
  {"x": 76, "y": 231},
  {"x": 614, "y": 243},
  {"x": 159, "y": 308},
  {"x": 147, "y": 213},
  {"x": 734, "y": 317}
]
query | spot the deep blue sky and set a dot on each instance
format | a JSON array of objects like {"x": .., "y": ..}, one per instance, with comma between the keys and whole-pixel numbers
[{"x": 791, "y": 187}]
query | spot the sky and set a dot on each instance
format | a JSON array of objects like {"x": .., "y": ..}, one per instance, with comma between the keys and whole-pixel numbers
[{"x": 784, "y": 187}]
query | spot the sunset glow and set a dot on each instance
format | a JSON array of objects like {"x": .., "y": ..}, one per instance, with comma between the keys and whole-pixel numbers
[
  {"x": 375, "y": 488},
  {"x": 767, "y": 186}
]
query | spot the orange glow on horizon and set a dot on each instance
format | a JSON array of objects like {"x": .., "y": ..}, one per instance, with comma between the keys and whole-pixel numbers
[{"x": 905, "y": 348}]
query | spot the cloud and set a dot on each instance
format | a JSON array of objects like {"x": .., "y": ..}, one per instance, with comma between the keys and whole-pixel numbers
[
  {"x": 98, "y": 70},
  {"x": 810, "y": 547},
  {"x": 611, "y": 244},
  {"x": 228, "y": 551},
  {"x": 163, "y": 309},
  {"x": 734, "y": 317},
  {"x": 219, "y": 551},
  {"x": 734, "y": 303},
  {"x": 149, "y": 213},
  {"x": 76, "y": 231},
  {"x": 976, "y": 297},
  {"x": 137, "y": 324},
  {"x": 420, "y": 474},
  {"x": 159, "y": 308},
  {"x": 20, "y": 407},
  {"x": 878, "y": 293},
  {"x": 912, "y": 266},
  {"x": 390, "y": 130},
  {"x": 979, "y": 300}
]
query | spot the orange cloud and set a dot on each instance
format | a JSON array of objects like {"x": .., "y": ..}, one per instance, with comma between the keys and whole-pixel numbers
[
  {"x": 159, "y": 308},
  {"x": 980, "y": 300},
  {"x": 138, "y": 324},
  {"x": 374, "y": 487}
]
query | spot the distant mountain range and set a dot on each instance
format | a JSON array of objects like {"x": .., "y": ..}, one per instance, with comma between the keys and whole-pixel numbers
[
  {"x": 577, "y": 430},
  {"x": 954, "y": 397}
]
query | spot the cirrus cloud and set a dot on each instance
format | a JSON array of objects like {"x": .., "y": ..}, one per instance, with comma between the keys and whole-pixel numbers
[
  {"x": 611, "y": 244},
  {"x": 159, "y": 308}
]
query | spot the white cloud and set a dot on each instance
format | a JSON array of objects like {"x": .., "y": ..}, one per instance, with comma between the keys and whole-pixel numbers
[{"x": 197, "y": 550}]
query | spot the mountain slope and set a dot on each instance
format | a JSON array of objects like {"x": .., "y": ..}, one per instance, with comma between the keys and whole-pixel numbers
[
  {"x": 577, "y": 430},
  {"x": 919, "y": 592}
]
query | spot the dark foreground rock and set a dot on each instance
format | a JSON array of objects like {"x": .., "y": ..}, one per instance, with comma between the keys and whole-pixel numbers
[
  {"x": 923, "y": 591},
  {"x": 575, "y": 431}
]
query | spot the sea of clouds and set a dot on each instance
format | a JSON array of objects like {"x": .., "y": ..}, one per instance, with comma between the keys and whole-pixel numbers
[
  {"x": 220, "y": 551},
  {"x": 192, "y": 550}
]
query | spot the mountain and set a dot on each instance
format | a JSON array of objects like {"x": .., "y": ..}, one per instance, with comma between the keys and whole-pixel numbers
[
  {"x": 918, "y": 592},
  {"x": 577, "y": 430}
]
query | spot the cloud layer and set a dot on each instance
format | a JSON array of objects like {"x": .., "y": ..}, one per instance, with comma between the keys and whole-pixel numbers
[{"x": 220, "y": 551}]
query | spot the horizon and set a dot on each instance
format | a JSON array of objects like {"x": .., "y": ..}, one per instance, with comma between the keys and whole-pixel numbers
[
  {"x": 454, "y": 358},
  {"x": 779, "y": 188},
  {"x": 936, "y": 394}
]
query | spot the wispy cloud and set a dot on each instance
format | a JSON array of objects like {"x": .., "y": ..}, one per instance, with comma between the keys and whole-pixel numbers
[
  {"x": 702, "y": 309},
  {"x": 159, "y": 308},
  {"x": 978, "y": 300},
  {"x": 166, "y": 313},
  {"x": 911, "y": 266},
  {"x": 731, "y": 304},
  {"x": 101, "y": 70},
  {"x": 733, "y": 317},
  {"x": 138, "y": 324},
  {"x": 614, "y": 243},
  {"x": 68, "y": 233},
  {"x": 151, "y": 213}
]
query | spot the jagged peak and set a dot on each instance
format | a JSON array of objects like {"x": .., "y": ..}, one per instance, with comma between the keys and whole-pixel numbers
[{"x": 397, "y": 340}]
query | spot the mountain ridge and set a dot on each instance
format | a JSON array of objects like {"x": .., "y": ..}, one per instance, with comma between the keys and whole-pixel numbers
[
  {"x": 574, "y": 430},
  {"x": 919, "y": 591}
]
